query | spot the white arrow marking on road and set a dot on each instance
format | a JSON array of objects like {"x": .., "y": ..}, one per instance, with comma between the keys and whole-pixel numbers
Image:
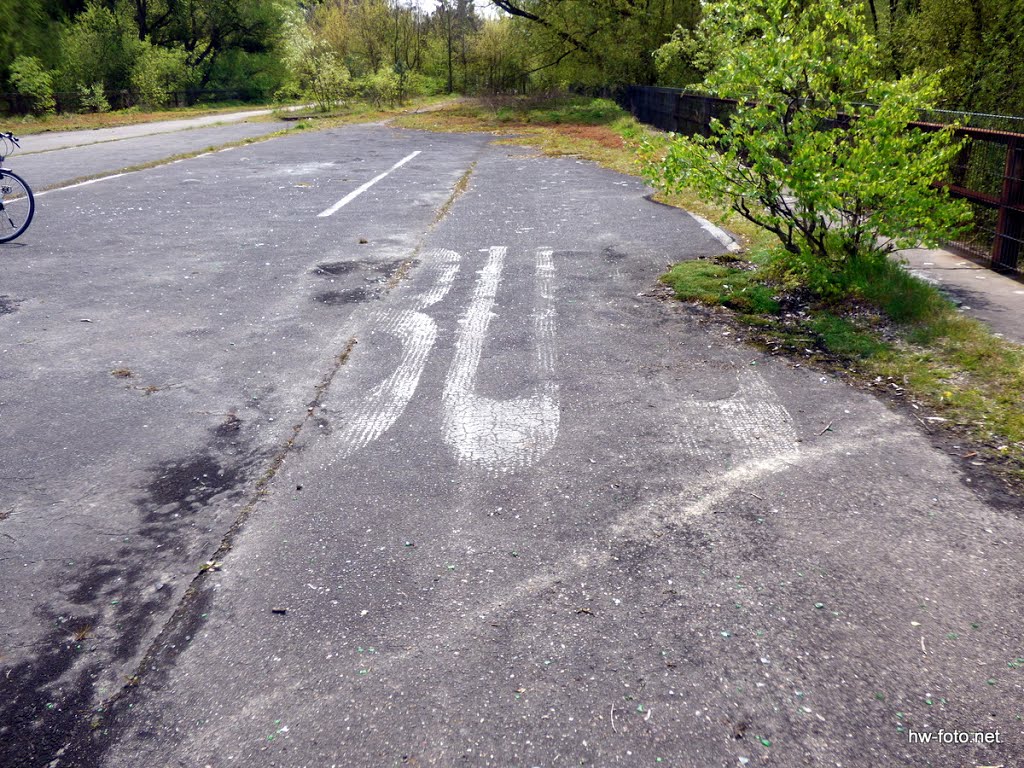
[
  {"x": 359, "y": 190},
  {"x": 502, "y": 434},
  {"x": 373, "y": 414}
]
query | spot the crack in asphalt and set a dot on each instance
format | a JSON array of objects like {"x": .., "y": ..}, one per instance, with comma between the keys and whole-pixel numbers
[{"x": 81, "y": 748}]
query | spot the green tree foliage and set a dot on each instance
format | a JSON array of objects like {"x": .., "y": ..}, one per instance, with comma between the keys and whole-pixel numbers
[
  {"x": 381, "y": 87},
  {"x": 599, "y": 42},
  {"x": 833, "y": 178},
  {"x": 317, "y": 71},
  {"x": 145, "y": 49},
  {"x": 93, "y": 98},
  {"x": 32, "y": 81},
  {"x": 977, "y": 46},
  {"x": 501, "y": 60},
  {"x": 99, "y": 46},
  {"x": 158, "y": 71}
]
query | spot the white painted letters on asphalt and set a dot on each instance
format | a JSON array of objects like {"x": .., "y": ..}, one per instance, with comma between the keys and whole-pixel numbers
[
  {"x": 359, "y": 190},
  {"x": 498, "y": 435},
  {"x": 502, "y": 434},
  {"x": 374, "y": 413}
]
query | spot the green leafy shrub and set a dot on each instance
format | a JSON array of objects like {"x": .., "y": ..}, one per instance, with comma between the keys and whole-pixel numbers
[
  {"x": 382, "y": 87},
  {"x": 35, "y": 83},
  {"x": 157, "y": 72},
  {"x": 92, "y": 98},
  {"x": 803, "y": 156},
  {"x": 325, "y": 79},
  {"x": 99, "y": 46}
]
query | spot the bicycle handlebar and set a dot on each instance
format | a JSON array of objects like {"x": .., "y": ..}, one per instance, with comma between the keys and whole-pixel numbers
[{"x": 10, "y": 137}]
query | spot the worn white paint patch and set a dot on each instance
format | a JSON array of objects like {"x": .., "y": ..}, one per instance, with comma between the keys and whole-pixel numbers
[
  {"x": 652, "y": 518},
  {"x": 752, "y": 418},
  {"x": 370, "y": 415},
  {"x": 502, "y": 435},
  {"x": 363, "y": 187},
  {"x": 649, "y": 521},
  {"x": 717, "y": 232}
]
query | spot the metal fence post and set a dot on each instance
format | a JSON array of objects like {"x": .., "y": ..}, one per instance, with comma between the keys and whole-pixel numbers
[{"x": 1010, "y": 226}]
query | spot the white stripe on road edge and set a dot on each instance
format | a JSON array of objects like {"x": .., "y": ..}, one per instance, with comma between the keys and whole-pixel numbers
[
  {"x": 717, "y": 232},
  {"x": 359, "y": 190},
  {"x": 79, "y": 184},
  {"x": 509, "y": 434}
]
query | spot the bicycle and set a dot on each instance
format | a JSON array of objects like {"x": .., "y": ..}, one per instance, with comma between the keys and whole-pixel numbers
[{"x": 17, "y": 205}]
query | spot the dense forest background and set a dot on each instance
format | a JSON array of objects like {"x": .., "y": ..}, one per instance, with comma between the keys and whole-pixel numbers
[{"x": 90, "y": 54}]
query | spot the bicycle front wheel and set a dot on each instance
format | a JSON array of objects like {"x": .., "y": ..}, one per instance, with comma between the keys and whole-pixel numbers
[{"x": 17, "y": 206}]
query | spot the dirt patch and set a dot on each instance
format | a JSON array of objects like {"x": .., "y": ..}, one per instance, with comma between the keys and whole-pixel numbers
[
  {"x": 190, "y": 484},
  {"x": 228, "y": 428},
  {"x": 36, "y": 715},
  {"x": 7, "y": 305},
  {"x": 598, "y": 134},
  {"x": 611, "y": 253}
]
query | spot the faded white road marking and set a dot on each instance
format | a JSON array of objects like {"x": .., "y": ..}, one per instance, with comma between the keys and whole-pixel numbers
[
  {"x": 372, "y": 414},
  {"x": 752, "y": 417},
  {"x": 502, "y": 434},
  {"x": 718, "y": 233},
  {"x": 650, "y": 520},
  {"x": 80, "y": 184},
  {"x": 359, "y": 190}
]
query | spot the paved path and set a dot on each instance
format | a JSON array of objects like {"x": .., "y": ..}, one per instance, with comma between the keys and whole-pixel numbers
[
  {"x": 45, "y": 142},
  {"x": 309, "y": 460},
  {"x": 49, "y": 169},
  {"x": 997, "y": 300}
]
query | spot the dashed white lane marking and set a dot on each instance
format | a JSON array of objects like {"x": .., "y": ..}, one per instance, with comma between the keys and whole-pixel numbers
[
  {"x": 502, "y": 435},
  {"x": 359, "y": 190},
  {"x": 80, "y": 184},
  {"x": 372, "y": 414}
]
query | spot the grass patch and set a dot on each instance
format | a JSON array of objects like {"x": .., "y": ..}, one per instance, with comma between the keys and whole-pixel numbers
[
  {"x": 721, "y": 283},
  {"x": 355, "y": 110},
  {"x": 842, "y": 337},
  {"x": 592, "y": 129}
]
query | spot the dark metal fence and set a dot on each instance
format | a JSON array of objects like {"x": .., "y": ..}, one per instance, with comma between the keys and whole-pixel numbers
[{"x": 988, "y": 173}]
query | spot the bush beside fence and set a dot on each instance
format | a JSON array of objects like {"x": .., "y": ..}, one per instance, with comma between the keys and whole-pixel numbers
[{"x": 989, "y": 172}]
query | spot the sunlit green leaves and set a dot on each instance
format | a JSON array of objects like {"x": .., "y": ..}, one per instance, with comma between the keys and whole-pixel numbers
[{"x": 818, "y": 150}]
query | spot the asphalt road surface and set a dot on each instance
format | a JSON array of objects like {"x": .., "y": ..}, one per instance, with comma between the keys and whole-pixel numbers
[
  {"x": 371, "y": 447},
  {"x": 44, "y": 142},
  {"x": 44, "y": 170}
]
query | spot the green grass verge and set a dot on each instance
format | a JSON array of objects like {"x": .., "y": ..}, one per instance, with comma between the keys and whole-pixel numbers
[
  {"x": 592, "y": 129},
  {"x": 719, "y": 283}
]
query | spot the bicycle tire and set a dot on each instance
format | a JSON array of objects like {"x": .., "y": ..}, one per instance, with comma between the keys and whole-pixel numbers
[{"x": 17, "y": 206}]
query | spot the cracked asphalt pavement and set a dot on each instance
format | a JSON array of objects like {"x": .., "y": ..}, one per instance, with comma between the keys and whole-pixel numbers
[{"x": 372, "y": 447}]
